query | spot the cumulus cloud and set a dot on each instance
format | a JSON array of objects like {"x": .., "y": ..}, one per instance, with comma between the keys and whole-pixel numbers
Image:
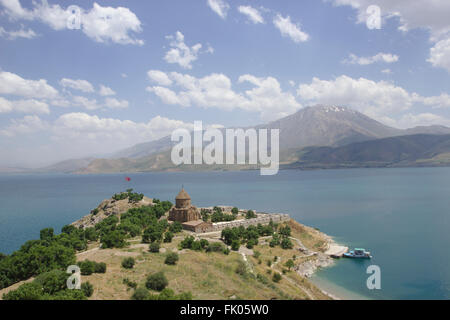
[
  {"x": 25, "y": 106},
  {"x": 379, "y": 57},
  {"x": 114, "y": 103},
  {"x": 81, "y": 85},
  {"x": 215, "y": 91},
  {"x": 159, "y": 77},
  {"x": 106, "y": 91},
  {"x": 13, "y": 84},
  {"x": 181, "y": 53},
  {"x": 290, "y": 29},
  {"x": 440, "y": 54},
  {"x": 26, "y": 125},
  {"x": 381, "y": 100},
  {"x": 102, "y": 24},
  {"x": 423, "y": 14},
  {"x": 376, "y": 99},
  {"x": 21, "y": 33},
  {"x": 220, "y": 7},
  {"x": 252, "y": 14}
]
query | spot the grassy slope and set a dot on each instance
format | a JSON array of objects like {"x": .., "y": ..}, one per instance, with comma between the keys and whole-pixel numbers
[{"x": 206, "y": 275}]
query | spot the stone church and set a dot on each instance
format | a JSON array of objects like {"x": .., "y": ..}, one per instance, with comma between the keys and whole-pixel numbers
[{"x": 184, "y": 211}]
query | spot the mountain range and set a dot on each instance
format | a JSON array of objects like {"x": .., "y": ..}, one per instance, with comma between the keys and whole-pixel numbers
[{"x": 320, "y": 136}]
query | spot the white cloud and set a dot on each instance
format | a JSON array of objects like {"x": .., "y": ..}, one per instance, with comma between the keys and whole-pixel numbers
[
  {"x": 181, "y": 53},
  {"x": 252, "y": 14},
  {"x": 89, "y": 104},
  {"x": 440, "y": 54},
  {"x": 159, "y": 77},
  {"x": 21, "y": 33},
  {"x": 386, "y": 71},
  {"x": 215, "y": 91},
  {"x": 81, "y": 85},
  {"x": 432, "y": 15},
  {"x": 442, "y": 101},
  {"x": 220, "y": 7},
  {"x": 376, "y": 99},
  {"x": 26, "y": 125},
  {"x": 106, "y": 91},
  {"x": 105, "y": 24},
  {"x": 25, "y": 106},
  {"x": 109, "y": 134},
  {"x": 116, "y": 104},
  {"x": 290, "y": 29},
  {"x": 422, "y": 119},
  {"x": 102, "y": 24},
  {"x": 12, "y": 84},
  {"x": 379, "y": 57}
]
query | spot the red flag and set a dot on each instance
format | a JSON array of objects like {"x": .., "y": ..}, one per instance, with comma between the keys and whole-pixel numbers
[{"x": 128, "y": 178}]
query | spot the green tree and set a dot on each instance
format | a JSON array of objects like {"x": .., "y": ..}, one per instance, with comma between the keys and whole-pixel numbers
[
  {"x": 52, "y": 281},
  {"x": 154, "y": 247},
  {"x": 250, "y": 214},
  {"x": 176, "y": 227},
  {"x": 87, "y": 288},
  {"x": 276, "y": 277},
  {"x": 27, "y": 291},
  {"x": 286, "y": 243},
  {"x": 171, "y": 258},
  {"x": 156, "y": 281},
  {"x": 47, "y": 234},
  {"x": 235, "y": 245},
  {"x": 235, "y": 211},
  {"x": 140, "y": 294},
  {"x": 289, "y": 264},
  {"x": 168, "y": 236},
  {"x": 128, "y": 263}
]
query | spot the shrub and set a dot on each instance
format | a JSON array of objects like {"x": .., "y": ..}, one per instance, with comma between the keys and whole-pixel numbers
[
  {"x": 140, "y": 294},
  {"x": 168, "y": 236},
  {"x": 171, "y": 258},
  {"x": 87, "y": 267},
  {"x": 27, "y": 291},
  {"x": 286, "y": 243},
  {"x": 154, "y": 247},
  {"x": 156, "y": 281},
  {"x": 235, "y": 211},
  {"x": 250, "y": 214},
  {"x": 128, "y": 263},
  {"x": 289, "y": 264},
  {"x": 52, "y": 281},
  {"x": 187, "y": 242},
  {"x": 226, "y": 251},
  {"x": 175, "y": 227},
  {"x": 196, "y": 245},
  {"x": 87, "y": 288},
  {"x": 129, "y": 283},
  {"x": 276, "y": 277},
  {"x": 235, "y": 244},
  {"x": 215, "y": 247},
  {"x": 100, "y": 267}
]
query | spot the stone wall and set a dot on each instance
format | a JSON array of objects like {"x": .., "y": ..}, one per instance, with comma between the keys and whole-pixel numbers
[{"x": 263, "y": 219}]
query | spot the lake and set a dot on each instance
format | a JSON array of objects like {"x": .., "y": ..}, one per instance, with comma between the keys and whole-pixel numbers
[{"x": 400, "y": 215}]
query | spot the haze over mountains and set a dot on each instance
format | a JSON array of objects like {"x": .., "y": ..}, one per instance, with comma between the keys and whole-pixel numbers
[{"x": 300, "y": 133}]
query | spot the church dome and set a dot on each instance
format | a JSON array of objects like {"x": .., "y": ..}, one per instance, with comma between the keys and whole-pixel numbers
[{"x": 183, "y": 195}]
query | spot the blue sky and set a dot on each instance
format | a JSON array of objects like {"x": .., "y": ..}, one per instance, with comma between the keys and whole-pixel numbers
[{"x": 164, "y": 64}]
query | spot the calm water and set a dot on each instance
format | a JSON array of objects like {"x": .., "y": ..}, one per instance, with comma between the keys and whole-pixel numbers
[{"x": 401, "y": 215}]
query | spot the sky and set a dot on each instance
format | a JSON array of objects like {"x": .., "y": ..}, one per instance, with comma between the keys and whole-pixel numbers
[{"x": 82, "y": 78}]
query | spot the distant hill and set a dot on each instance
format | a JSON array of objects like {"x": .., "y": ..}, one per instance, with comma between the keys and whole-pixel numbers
[
  {"x": 67, "y": 166},
  {"x": 403, "y": 151},
  {"x": 317, "y": 126}
]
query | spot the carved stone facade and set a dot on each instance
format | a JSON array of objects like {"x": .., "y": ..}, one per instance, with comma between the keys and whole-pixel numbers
[{"x": 184, "y": 211}]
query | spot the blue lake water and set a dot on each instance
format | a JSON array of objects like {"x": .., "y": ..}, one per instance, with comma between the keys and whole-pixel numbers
[{"x": 401, "y": 215}]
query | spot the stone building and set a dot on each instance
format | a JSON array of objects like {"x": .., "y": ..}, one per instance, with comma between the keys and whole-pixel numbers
[{"x": 184, "y": 211}]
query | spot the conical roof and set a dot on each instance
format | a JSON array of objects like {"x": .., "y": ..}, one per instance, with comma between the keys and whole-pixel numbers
[{"x": 183, "y": 195}]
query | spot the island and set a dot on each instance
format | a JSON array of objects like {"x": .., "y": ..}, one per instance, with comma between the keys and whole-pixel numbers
[{"x": 135, "y": 247}]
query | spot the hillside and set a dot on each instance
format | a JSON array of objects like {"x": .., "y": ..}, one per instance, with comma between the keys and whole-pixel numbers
[
  {"x": 404, "y": 151},
  {"x": 317, "y": 126},
  {"x": 218, "y": 273}
]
